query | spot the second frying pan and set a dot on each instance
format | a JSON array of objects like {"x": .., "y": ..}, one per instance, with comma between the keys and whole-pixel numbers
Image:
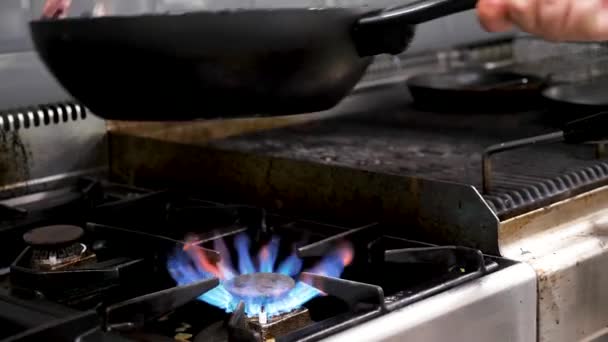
[
  {"x": 476, "y": 89},
  {"x": 572, "y": 100},
  {"x": 593, "y": 95},
  {"x": 224, "y": 64}
]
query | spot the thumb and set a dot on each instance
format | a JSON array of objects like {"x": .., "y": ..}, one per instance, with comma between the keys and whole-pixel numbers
[{"x": 494, "y": 15}]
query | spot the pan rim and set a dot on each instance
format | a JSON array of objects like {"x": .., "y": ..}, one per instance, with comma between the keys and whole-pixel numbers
[
  {"x": 420, "y": 81},
  {"x": 219, "y": 12},
  {"x": 549, "y": 94}
]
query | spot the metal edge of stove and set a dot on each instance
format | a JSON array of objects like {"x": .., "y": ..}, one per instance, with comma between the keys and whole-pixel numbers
[
  {"x": 567, "y": 245},
  {"x": 444, "y": 213},
  {"x": 448, "y": 316}
]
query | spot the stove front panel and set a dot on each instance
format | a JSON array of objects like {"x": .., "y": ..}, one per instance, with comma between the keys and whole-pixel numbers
[
  {"x": 498, "y": 307},
  {"x": 567, "y": 245}
]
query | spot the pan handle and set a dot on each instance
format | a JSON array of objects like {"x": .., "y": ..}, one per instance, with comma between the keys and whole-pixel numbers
[
  {"x": 420, "y": 11},
  {"x": 589, "y": 128},
  {"x": 391, "y": 30}
]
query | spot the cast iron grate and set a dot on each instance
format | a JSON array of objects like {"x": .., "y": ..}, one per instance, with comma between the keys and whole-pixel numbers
[
  {"x": 515, "y": 194},
  {"x": 144, "y": 225}
]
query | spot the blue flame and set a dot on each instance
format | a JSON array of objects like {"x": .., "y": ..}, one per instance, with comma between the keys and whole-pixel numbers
[
  {"x": 333, "y": 264},
  {"x": 185, "y": 269},
  {"x": 225, "y": 263},
  {"x": 184, "y": 272},
  {"x": 268, "y": 256},
  {"x": 241, "y": 242},
  {"x": 290, "y": 266}
]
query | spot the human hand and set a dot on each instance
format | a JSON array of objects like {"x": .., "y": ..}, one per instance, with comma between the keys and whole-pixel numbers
[
  {"x": 555, "y": 20},
  {"x": 56, "y": 8}
]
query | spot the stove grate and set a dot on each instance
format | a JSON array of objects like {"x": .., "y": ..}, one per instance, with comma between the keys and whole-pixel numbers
[{"x": 133, "y": 238}]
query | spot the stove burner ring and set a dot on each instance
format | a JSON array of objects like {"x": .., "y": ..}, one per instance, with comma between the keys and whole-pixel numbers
[
  {"x": 57, "y": 247},
  {"x": 52, "y": 237},
  {"x": 51, "y": 259},
  {"x": 259, "y": 285}
]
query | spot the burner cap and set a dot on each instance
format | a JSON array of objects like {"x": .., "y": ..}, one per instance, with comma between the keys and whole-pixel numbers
[
  {"x": 259, "y": 285},
  {"x": 53, "y": 236}
]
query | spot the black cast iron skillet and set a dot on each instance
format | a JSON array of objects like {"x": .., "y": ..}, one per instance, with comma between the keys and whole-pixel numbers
[
  {"x": 476, "y": 89},
  {"x": 258, "y": 62}
]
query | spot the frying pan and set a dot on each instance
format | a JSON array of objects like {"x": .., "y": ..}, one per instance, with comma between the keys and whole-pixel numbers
[
  {"x": 578, "y": 98},
  {"x": 477, "y": 89},
  {"x": 224, "y": 64}
]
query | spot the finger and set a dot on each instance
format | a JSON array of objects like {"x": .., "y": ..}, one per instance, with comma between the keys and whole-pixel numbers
[
  {"x": 50, "y": 9},
  {"x": 56, "y": 8},
  {"x": 551, "y": 18},
  {"x": 66, "y": 6},
  {"x": 493, "y": 15},
  {"x": 598, "y": 29},
  {"x": 587, "y": 21},
  {"x": 523, "y": 14}
]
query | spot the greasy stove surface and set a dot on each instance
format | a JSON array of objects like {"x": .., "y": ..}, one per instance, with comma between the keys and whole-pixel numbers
[
  {"x": 396, "y": 137},
  {"x": 129, "y": 264}
]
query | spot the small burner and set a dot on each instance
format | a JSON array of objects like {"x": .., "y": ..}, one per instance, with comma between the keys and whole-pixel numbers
[
  {"x": 259, "y": 285},
  {"x": 53, "y": 236},
  {"x": 57, "y": 247}
]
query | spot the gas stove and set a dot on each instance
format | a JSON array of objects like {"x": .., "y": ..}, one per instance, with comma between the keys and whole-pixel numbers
[
  {"x": 268, "y": 230},
  {"x": 98, "y": 261}
]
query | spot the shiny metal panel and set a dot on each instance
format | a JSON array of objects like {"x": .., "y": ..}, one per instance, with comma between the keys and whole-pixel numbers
[
  {"x": 13, "y": 27},
  {"x": 498, "y": 307},
  {"x": 25, "y": 81},
  {"x": 567, "y": 245},
  {"x": 28, "y": 154},
  {"x": 43, "y": 135}
]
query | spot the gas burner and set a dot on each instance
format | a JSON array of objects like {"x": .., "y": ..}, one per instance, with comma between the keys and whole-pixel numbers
[
  {"x": 267, "y": 288},
  {"x": 243, "y": 328},
  {"x": 304, "y": 281},
  {"x": 260, "y": 286},
  {"x": 57, "y": 247}
]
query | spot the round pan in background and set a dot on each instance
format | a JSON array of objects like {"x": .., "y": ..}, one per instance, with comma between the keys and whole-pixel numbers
[
  {"x": 592, "y": 96},
  {"x": 477, "y": 90}
]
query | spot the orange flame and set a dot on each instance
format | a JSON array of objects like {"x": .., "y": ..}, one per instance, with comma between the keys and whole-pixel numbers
[
  {"x": 346, "y": 253},
  {"x": 202, "y": 260},
  {"x": 264, "y": 253}
]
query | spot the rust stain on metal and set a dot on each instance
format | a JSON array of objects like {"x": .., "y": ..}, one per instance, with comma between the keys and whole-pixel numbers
[
  {"x": 15, "y": 158},
  {"x": 548, "y": 292}
]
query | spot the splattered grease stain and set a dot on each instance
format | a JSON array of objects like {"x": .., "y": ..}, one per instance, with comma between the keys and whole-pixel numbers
[{"x": 15, "y": 158}]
